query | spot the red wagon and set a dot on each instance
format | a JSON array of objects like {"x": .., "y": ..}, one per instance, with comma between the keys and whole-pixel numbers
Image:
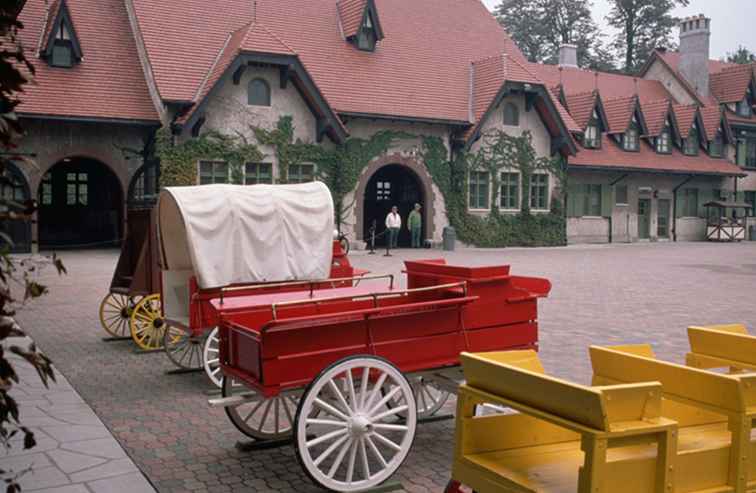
[
  {"x": 346, "y": 370},
  {"x": 204, "y": 231}
]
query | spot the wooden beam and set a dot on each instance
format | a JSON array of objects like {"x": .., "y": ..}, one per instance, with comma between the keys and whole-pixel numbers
[
  {"x": 285, "y": 71},
  {"x": 198, "y": 126},
  {"x": 322, "y": 129},
  {"x": 239, "y": 73},
  {"x": 530, "y": 100}
]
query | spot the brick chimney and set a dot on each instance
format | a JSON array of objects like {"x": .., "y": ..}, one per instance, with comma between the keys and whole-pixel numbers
[
  {"x": 695, "y": 35},
  {"x": 568, "y": 55}
]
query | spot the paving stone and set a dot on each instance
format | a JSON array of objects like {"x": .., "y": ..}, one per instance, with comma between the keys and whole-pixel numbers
[
  {"x": 112, "y": 468},
  {"x": 71, "y": 433},
  {"x": 101, "y": 447},
  {"x": 44, "y": 477},
  {"x": 126, "y": 483},
  {"x": 71, "y": 488},
  {"x": 70, "y": 462}
]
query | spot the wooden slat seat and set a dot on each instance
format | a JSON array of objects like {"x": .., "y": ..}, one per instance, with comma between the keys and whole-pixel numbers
[
  {"x": 563, "y": 437},
  {"x": 715, "y": 413},
  {"x": 722, "y": 346}
]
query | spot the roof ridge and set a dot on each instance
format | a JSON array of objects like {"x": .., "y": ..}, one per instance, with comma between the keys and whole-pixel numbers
[
  {"x": 534, "y": 76},
  {"x": 254, "y": 24},
  {"x": 201, "y": 87},
  {"x": 485, "y": 59}
]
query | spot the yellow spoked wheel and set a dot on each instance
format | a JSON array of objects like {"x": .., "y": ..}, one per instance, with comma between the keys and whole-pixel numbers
[
  {"x": 147, "y": 324},
  {"x": 115, "y": 313}
]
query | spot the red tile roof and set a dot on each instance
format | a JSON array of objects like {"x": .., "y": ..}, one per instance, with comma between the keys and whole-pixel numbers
[
  {"x": 421, "y": 69},
  {"x": 734, "y": 117},
  {"x": 108, "y": 83},
  {"x": 711, "y": 116},
  {"x": 350, "y": 15},
  {"x": 577, "y": 80},
  {"x": 46, "y": 32},
  {"x": 610, "y": 156},
  {"x": 730, "y": 84},
  {"x": 619, "y": 112},
  {"x": 685, "y": 114},
  {"x": 581, "y": 107},
  {"x": 655, "y": 114},
  {"x": 672, "y": 58}
]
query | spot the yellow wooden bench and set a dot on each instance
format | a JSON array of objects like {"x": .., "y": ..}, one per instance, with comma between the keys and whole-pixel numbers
[
  {"x": 722, "y": 346},
  {"x": 714, "y": 411},
  {"x": 562, "y": 437}
]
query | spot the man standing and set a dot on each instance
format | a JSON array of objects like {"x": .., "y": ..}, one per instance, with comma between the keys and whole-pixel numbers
[
  {"x": 415, "y": 226},
  {"x": 393, "y": 224}
]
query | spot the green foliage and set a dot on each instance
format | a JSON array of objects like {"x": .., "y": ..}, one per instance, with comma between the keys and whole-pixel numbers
[
  {"x": 179, "y": 161},
  {"x": 741, "y": 56},
  {"x": 539, "y": 27},
  {"x": 642, "y": 26},
  {"x": 498, "y": 151}
]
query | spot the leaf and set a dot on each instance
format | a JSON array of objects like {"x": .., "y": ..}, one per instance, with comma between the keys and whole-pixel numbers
[{"x": 29, "y": 440}]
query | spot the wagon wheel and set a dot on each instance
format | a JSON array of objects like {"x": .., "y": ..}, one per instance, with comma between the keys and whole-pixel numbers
[
  {"x": 429, "y": 398},
  {"x": 183, "y": 348},
  {"x": 211, "y": 358},
  {"x": 148, "y": 324},
  {"x": 258, "y": 417},
  {"x": 355, "y": 443},
  {"x": 115, "y": 313}
]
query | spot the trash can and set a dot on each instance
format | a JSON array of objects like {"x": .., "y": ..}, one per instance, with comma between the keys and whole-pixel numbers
[{"x": 450, "y": 237}]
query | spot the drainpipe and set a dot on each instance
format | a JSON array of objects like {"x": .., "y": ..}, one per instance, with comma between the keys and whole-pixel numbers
[
  {"x": 611, "y": 226},
  {"x": 674, "y": 206}
]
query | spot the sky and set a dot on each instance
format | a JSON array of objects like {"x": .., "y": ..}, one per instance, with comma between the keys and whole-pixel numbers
[{"x": 730, "y": 25}]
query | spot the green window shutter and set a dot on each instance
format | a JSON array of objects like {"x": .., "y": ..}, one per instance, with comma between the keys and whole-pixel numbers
[
  {"x": 705, "y": 195},
  {"x": 740, "y": 198},
  {"x": 607, "y": 200},
  {"x": 680, "y": 203},
  {"x": 572, "y": 200},
  {"x": 741, "y": 154}
]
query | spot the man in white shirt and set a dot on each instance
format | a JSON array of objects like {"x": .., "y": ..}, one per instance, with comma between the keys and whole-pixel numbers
[{"x": 393, "y": 224}]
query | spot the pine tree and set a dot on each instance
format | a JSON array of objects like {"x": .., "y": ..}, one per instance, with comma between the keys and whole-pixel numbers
[{"x": 642, "y": 26}]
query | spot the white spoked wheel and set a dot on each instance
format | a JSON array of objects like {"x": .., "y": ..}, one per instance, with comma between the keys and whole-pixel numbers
[
  {"x": 211, "y": 358},
  {"x": 347, "y": 438},
  {"x": 429, "y": 398},
  {"x": 259, "y": 417},
  {"x": 183, "y": 348}
]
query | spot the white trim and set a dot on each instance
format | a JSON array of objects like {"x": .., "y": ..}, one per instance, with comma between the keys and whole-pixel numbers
[{"x": 548, "y": 192}]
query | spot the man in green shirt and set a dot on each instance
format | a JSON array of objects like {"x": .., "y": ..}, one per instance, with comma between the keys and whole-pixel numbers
[{"x": 415, "y": 225}]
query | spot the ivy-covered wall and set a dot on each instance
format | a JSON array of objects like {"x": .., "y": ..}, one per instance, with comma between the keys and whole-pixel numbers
[{"x": 340, "y": 167}]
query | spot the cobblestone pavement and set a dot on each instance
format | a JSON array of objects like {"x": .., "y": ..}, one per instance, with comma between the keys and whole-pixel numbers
[{"x": 602, "y": 294}]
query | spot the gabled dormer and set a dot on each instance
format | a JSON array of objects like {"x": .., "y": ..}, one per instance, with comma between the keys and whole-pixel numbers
[
  {"x": 61, "y": 45},
  {"x": 588, "y": 112},
  {"x": 692, "y": 136},
  {"x": 360, "y": 23}
]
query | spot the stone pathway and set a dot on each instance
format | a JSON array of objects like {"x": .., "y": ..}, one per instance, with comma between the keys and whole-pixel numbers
[{"x": 75, "y": 452}]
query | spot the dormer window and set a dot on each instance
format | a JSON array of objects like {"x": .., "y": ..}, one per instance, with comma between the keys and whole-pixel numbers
[
  {"x": 511, "y": 115},
  {"x": 716, "y": 146},
  {"x": 691, "y": 143},
  {"x": 62, "y": 48},
  {"x": 592, "y": 137},
  {"x": 664, "y": 141},
  {"x": 367, "y": 37},
  {"x": 630, "y": 140}
]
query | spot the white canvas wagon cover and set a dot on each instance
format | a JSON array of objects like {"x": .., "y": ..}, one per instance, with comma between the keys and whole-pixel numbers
[{"x": 230, "y": 234}]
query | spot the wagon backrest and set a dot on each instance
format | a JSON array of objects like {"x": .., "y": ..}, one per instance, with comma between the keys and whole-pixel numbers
[
  {"x": 706, "y": 390},
  {"x": 724, "y": 342},
  {"x": 517, "y": 376}
]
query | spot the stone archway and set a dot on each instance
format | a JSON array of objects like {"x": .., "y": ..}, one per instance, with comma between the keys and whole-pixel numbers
[
  {"x": 14, "y": 187},
  {"x": 81, "y": 204},
  {"x": 411, "y": 169}
]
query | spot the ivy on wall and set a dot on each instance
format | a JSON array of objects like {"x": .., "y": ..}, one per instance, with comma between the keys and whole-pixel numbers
[{"x": 340, "y": 167}]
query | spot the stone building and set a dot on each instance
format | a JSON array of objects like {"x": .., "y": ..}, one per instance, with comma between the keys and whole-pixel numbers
[{"x": 110, "y": 73}]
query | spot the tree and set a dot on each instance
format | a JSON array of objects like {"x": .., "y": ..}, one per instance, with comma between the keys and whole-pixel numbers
[
  {"x": 539, "y": 27},
  {"x": 15, "y": 274},
  {"x": 741, "y": 56},
  {"x": 642, "y": 26}
]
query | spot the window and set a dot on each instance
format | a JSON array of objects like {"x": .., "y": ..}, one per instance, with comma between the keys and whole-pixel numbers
[
  {"x": 478, "y": 196},
  {"x": 509, "y": 196},
  {"x": 592, "y": 137},
  {"x": 630, "y": 139},
  {"x": 689, "y": 197},
  {"x": 690, "y": 144},
  {"x": 592, "y": 200},
  {"x": 366, "y": 37},
  {"x": 258, "y": 173},
  {"x": 301, "y": 173},
  {"x": 45, "y": 192},
  {"x": 383, "y": 191},
  {"x": 539, "y": 191},
  {"x": 620, "y": 195},
  {"x": 77, "y": 192},
  {"x": 744, "y": 107},
  {"x": 749, "y": 150},
  {"x": 62, "y": 49},
  {"x": 258, "y": 93},
  {"x": 511, "y": 115},
  {"x": 750, "y": 197},
  {"x": 716, "y": 146},
  {"x": 664, "y": 142},
  {"x": 213, "y": 172}
]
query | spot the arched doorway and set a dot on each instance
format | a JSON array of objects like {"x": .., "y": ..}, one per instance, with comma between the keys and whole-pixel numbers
[
  {"x": 80, "y": 205},
  {"x": 392, "y": 185},
  {"x": 13, "y": 187}
]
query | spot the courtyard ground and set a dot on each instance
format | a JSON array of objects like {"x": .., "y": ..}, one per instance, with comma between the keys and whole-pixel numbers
[{"x": 601, "y": 295}]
